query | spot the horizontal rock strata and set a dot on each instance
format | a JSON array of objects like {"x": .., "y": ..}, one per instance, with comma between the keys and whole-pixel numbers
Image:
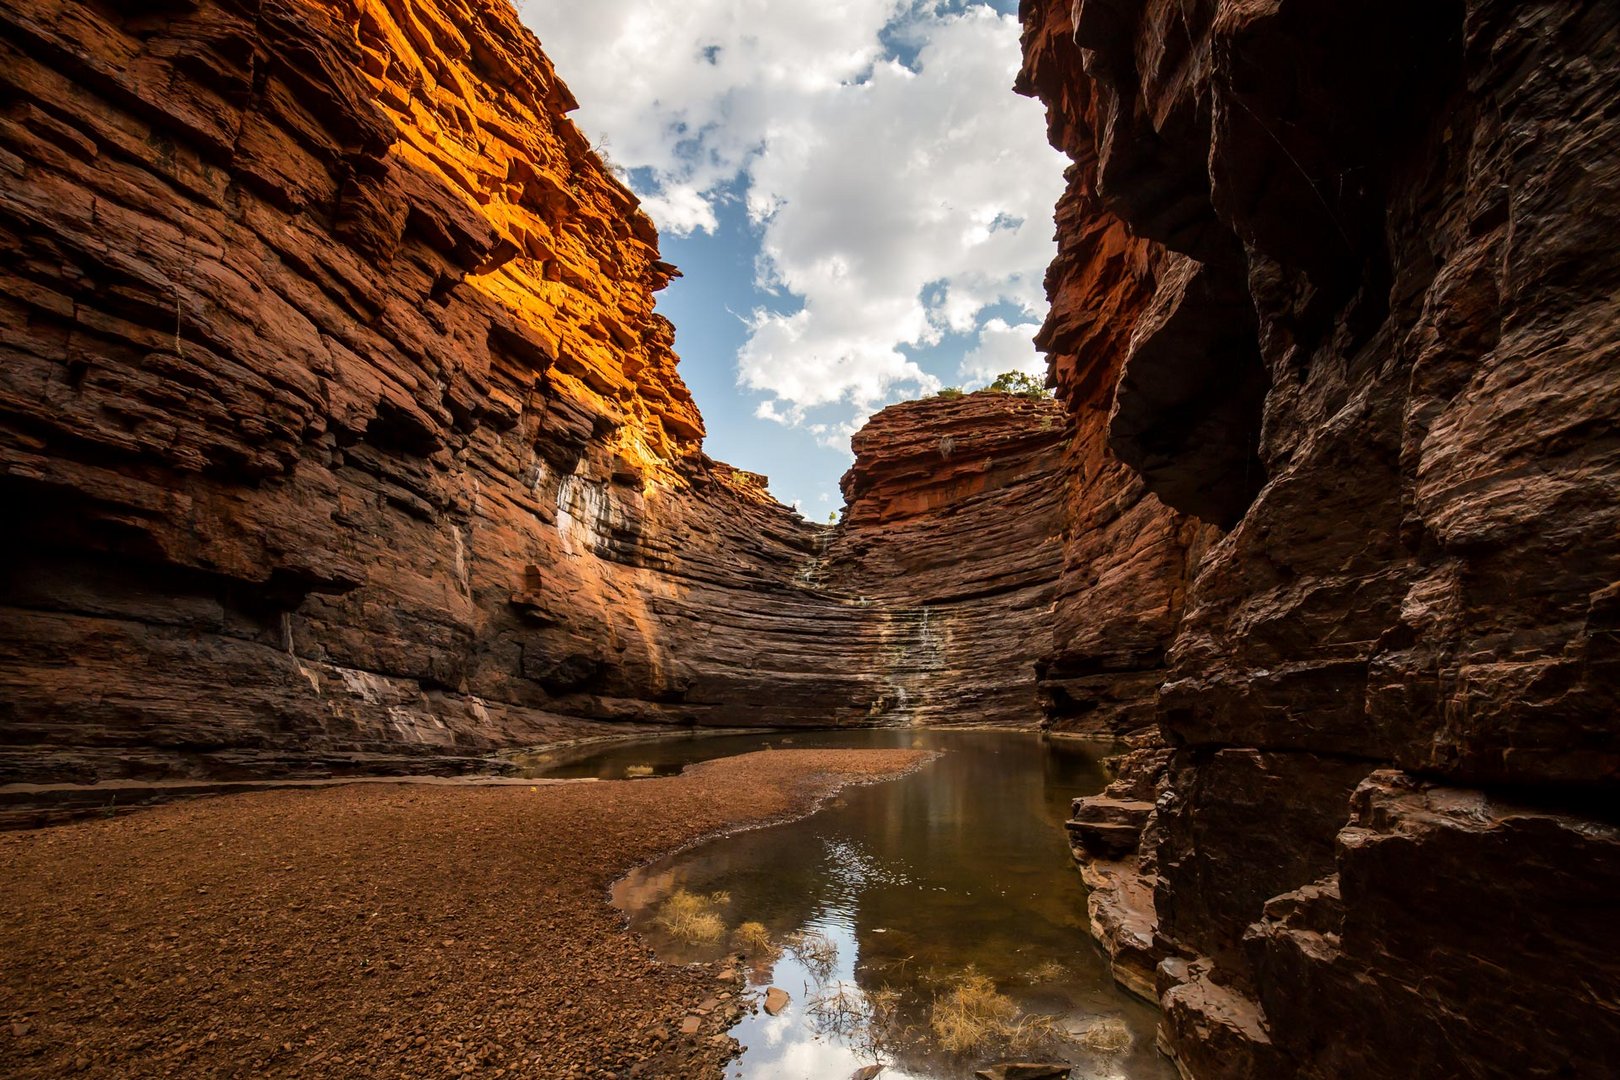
[
  {"x": 1369, "y": 331},
  {"x": 341, "y": 434},
  {"x": 342, "y": 424},
  {"x": 952, "y": 534},
  {"x": 1127, "y": 556}
]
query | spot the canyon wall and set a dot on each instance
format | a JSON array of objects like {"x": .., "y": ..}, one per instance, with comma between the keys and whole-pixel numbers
[
  {"x": 1127, "y": 556},
  {"x": 339, "y": 432},
  {"x": 952, "y": 532},
  {"x": 337, "y": 423},
  {"x": 1363, "y": 257}
]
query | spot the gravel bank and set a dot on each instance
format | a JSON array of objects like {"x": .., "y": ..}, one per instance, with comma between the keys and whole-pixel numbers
[{"x": 373, "y": 930}]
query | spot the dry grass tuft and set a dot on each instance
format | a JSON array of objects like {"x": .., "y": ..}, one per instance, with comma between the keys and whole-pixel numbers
[
  {"x": 973, "y": 1013},
  {"x": 691, "y": 918},
  {"x": 754, "y": 941},
  {"x": 636, "y": 771},
  {"x": 1106, "y": 1036},
  {"x": 883, "y": 1003}
]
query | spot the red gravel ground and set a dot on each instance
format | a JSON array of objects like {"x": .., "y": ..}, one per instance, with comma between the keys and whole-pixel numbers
[{"x": 382, "y": 930}]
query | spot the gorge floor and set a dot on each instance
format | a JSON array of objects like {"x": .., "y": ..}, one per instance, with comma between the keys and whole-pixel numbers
[{"x": 362, "y": 930}]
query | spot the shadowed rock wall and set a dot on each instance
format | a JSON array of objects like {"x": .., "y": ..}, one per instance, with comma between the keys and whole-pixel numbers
[
  {"x": 1378, "y": 347},
  {"x": 1127, "y": 556},
  {"x": 338, "y": 431}
]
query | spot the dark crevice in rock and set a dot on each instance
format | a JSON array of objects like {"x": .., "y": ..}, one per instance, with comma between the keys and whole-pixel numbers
[{"x": 1187, "y": 409}]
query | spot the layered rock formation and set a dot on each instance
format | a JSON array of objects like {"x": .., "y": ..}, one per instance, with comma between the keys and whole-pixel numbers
[
  {"x": 337, "y": 409},
  {"x": 1127, "y": 556},
  {"x": 340, "y": 432},
  {"x": 952, "y": 533},
  {"x": 1364, "y": 291}
]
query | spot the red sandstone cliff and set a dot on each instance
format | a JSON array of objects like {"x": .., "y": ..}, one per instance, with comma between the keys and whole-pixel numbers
[
  {"x": 1127, "y": 556},
  {"x": 952, "y": 538},
  {"x": 335, "y": 419},
  {"x": 1356, "y": 300},
  {"x": 339, "y": 431}
]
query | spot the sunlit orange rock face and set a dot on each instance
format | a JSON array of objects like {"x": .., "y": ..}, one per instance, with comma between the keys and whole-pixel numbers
[
  {"x": 336, "y": 424},
  {"x": 338, "y": 431},
  {"x": 336, "y": 420},
  {"x": 1334, "y": 276}
]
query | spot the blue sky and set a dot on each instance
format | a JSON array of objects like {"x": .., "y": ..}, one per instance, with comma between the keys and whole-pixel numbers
[{"x": 860, "y": 205}]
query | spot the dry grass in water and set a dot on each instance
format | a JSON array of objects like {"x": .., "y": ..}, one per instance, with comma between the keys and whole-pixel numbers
[
  {"x": 754, "y": 941},
  {"x": 637, "y": 771},
  {"x": 973, "y": 1013},
  {"x": 691, "y": 917},
  {"x": 814, "y": 950},
  {"x": 1106, "y": 1036},
  {"x": 883, "y": 1005}
]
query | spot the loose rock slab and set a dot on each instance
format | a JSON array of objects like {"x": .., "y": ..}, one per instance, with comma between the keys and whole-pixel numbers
[{"x": 1024, "y": 1070}]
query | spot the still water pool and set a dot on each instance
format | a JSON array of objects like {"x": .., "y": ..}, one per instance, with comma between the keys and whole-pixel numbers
[{"x": 898, "y": 900}]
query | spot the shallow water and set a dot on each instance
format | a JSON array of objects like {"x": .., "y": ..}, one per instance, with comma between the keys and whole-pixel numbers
[
  {"x": 665, "y": 755},
  {"x": 919, "y": 883}
]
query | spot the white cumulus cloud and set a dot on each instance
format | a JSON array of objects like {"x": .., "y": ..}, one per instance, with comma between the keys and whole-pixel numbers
[
  {"x": 901, "y": 193},
  {"x": 1003, "y": 348},
  {"x": 680, "y": 208}
]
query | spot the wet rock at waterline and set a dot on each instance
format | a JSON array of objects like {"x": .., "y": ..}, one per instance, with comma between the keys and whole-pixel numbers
[{"x": 775, "y": 1000}]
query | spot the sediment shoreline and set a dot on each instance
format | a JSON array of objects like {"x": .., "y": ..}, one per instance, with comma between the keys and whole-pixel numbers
[{"x": 382, "y": 929}]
